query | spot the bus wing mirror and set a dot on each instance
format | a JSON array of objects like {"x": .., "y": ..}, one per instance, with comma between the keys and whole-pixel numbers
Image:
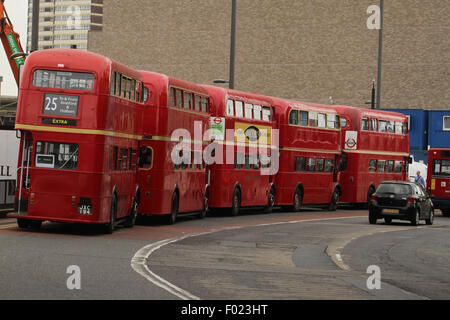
[{"x": 410, "y": 160}]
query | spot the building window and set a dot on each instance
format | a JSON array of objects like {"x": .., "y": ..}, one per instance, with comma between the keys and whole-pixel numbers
[{"x": 446, "y": 122}]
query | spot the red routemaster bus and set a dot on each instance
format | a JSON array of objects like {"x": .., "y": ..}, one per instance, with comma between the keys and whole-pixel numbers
[
  {"x": 375, "y": 148},
  {"x": 173, "y": 180},
  {"x": 310, "y": 146},
  {"x": 78, "y": 115},
  {"x": 242, "y": 173},
  {"x": 438, "y": 181}
]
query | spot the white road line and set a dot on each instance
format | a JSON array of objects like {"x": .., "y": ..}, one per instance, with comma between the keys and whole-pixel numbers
[{"x": 141, "y": 257}]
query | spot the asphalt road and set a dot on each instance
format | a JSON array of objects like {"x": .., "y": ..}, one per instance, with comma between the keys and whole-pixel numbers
[{"x": 309, "y": 255}]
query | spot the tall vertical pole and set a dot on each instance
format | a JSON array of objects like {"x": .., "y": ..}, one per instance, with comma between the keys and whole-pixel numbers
[
  {"x": 233, "y": 42},
  {"x": 373, "y": 95},
  {"x": 35, "y": 26},
  {"x": 380, "y": 54}
]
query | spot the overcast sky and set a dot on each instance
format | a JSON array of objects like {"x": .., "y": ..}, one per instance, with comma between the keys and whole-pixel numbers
[{"x": 17, "y": 12}]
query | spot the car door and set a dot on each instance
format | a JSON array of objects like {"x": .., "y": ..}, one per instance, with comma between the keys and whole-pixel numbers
[{"x": 423, "y": 203}]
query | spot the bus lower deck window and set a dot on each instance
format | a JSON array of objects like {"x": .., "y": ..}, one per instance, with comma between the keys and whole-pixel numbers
[{"x": 55, "y": 155}]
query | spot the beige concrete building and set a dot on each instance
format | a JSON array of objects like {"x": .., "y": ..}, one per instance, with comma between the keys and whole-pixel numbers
[
  {"x": 66, "y": 23},
  {"x": 308, "y": 50}
]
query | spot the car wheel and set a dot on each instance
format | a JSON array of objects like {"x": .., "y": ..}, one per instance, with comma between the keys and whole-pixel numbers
[
  {"x": 372, "y": 218},
  {"x": 388, "y": 220},
  {"x": 430, "y": 220},
  {"x": 416, "y": 219}
]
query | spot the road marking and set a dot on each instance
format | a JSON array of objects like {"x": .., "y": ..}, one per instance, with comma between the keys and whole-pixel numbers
[
  {"x": 7, "y": 226},
  {"x": 141, "y": 257}
]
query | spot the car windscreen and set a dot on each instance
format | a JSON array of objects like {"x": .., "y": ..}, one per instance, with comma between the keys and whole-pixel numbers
[{"x": 394, "y": 188}]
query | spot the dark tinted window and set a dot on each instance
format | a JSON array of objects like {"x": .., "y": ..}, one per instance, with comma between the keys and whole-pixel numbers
[{"x": 395, "y": 188}]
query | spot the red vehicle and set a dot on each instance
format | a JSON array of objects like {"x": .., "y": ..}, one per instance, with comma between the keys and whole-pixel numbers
[
  {"x": 438, "y": 178},
  {"x": 173, "y": 181},
  {"x": 375, "y": 148},
  {"x": 243, "y": 126},
  {"x": 310, "y": 146},
  {"x": 78, "y": 115}
]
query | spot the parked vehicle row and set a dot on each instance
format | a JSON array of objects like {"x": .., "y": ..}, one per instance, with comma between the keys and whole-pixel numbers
[{"x": 103, "y": 143}]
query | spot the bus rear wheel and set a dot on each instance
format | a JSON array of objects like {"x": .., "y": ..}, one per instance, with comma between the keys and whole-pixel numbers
[
  {"x": 23, "y": 223},
  {"x": 205, "y": 205},
  {"x": 236, "y": 204},
  {"x": 334, "y": 200},
  {"x": 131, "y": 219},
  {"x": 109, "y": 227},
  {"x": 271, "y": 200},
  {"x": 298, "y": 201}
]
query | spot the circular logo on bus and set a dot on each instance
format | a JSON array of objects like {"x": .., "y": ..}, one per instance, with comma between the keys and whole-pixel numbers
[
  {"x": 252, "y": 133},
  {"x": 350, "y": 143}
]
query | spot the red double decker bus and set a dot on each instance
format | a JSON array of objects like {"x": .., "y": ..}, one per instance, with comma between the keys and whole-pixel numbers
[
  {"x": 375, "y": 148},
  {"x": 240, "y": 175},
  {"x": 79, "y": 117},
  {"x": 310, "y": 145},
  {"x": 171, "y": 180},
  {"x": 438, "y": 181}
]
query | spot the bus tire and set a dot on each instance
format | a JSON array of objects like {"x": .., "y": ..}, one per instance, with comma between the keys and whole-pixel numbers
[
  {"x": 23, "y": 223},
  {"x": 172, "y": 217},
  {"x": 270, "y": 200},
  {"x": 298, "y": 200},
  {"x": 131, "y": 219},
  {"x": 205, "y": 205},
  {"x": 334, "y": 200},
  {"x": 109, "y": 227},
  {"x": 236, "y": 202}
]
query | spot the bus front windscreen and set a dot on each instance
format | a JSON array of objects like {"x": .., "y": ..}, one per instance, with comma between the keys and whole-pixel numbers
[{"x": 63, "y": 80}]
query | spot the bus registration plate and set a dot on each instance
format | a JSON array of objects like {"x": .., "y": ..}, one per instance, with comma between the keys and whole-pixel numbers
[{"x": 84, "y": 209}]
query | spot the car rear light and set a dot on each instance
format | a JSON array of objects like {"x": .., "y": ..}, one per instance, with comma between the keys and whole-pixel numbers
[
  {"x": 412, "y": 199},
  {"x": 374, "y": 198}
]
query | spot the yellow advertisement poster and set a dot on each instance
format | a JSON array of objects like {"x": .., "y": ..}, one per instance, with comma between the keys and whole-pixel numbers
[{"x": 252, "y": 133}]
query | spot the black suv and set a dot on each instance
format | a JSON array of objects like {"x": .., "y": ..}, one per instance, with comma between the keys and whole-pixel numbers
[{"x": 401, "y": 200}]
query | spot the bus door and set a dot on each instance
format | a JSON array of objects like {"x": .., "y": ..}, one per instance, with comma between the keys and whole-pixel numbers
[{"x": 23, "y": 171}]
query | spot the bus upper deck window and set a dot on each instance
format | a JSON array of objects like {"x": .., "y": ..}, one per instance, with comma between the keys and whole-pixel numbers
[
  {"x": 365, "y": 124},
  {"x": 257, "y": 112},
  {"x": 239, "y": 105},
  {"x": 293, "y": 117},
  {"x": 266, "y": 113},
  {"x": 343, "y": 122}
]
